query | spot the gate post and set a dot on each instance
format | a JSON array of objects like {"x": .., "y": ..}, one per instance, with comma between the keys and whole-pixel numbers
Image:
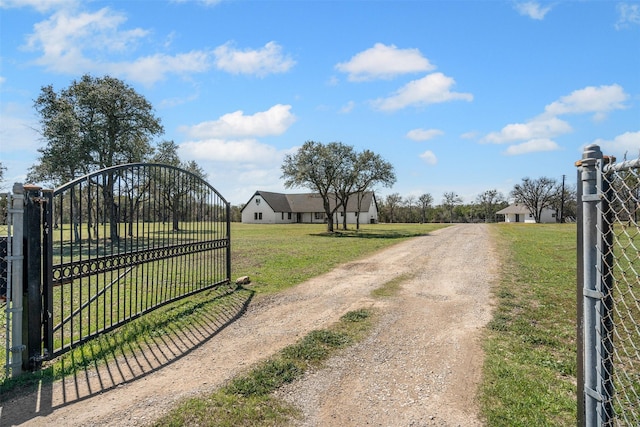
[
  {"x": 17, "y": 275},
  {"x": 47, "y": 276},
  {"x": 579, "y": 300},
  {"x": 32, "y": 314},
  {"x": 591, "y": 165}
]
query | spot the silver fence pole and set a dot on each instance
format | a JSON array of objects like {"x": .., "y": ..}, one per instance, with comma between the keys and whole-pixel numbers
[
  {"x": 591, "y": 161},
  {"x": 579, "y": 301},
  {"x": 17, "y": 251}
]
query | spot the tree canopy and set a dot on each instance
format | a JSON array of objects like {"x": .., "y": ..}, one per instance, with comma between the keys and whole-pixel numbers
[
  {"x": 335, "y": 170},
  {"x": 95, "y": 123}
]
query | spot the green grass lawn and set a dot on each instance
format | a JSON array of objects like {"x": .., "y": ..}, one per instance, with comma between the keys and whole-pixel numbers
[
  {"x": 530, "y": 364},
  {"x": 278, "y": 256}
]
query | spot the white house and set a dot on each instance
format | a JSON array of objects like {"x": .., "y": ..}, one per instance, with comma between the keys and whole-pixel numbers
[
  {"x": 276, "y": 208},
  {"x": 520, "y": 213}
]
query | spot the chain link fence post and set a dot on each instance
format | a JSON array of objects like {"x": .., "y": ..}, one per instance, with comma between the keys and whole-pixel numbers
[{"x": 591, "y": 160}]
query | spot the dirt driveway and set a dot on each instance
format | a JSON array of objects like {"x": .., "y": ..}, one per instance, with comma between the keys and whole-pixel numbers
[{"x": 419, "y": 367}]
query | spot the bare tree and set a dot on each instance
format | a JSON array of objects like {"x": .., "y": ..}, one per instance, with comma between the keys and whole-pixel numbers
[
  {"x": 392, "y": 202},
  {"x": 489, "y": 203},
  {"x": 536, "y": 194},
  {"x": 425, "y": 201},
  {"x": 409, "y": 202},
  {"x": 450, "y": 200}
]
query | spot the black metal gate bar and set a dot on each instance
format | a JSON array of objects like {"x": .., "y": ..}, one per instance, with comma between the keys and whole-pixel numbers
[{"x": 126, "y": 240}]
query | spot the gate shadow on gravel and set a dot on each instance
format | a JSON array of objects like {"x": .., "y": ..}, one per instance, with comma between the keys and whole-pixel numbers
[{"x": 126, "y": 363}]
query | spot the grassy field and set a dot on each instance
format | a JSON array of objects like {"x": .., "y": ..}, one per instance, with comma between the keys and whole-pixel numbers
[
  {"x": 530, "y": 365},
  {"x": 279, "y": 256}
]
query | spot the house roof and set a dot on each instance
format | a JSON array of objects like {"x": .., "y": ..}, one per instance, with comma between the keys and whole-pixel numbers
[
  {"x": 277, "y": 201},
  {"x": 514, "y": 209},
  {"x": 309, "y": 202}
]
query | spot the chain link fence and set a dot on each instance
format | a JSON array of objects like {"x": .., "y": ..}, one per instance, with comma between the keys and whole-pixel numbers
[
  {"x": 621, "y": 272},
  {"x": 610, "y": 291}
]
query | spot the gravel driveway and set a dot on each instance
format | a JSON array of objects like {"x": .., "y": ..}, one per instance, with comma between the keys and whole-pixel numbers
[{"x": 419, "y": 367}]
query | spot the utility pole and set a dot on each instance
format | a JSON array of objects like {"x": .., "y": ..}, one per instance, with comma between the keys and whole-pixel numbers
[{"x": 562, "y": 202}]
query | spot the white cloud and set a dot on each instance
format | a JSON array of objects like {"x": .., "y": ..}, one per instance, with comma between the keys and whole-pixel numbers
[
  {"x": 39, "y": 5},
  {"x": 532, "y": 146},
  {"x": 205, "y": 2},
  {"x": 540, "y": 127},
  {"x": 470, "y": 135},
  {"x": 274, "y": 121},
  {"x": 260, "y": 62},
  {"x": 532, "y": 9},
  {"x": 429, "y": 157},
  {"x": 627, "y": 143},
  {"x": 538, "y": 131},
  {"x": 246, "y": 151},
  {"x": 151, "y": 69},
  {"x": 384, "y": 62},
  {"x": 629, "y": 14},
  {"x": 591, "y": 99},
  {"x": 348, "y": 107},
  {"x": 2, "y": 80},
  {"x": 423, "y": 134},
  {"x": 74, "y": 43},
  {"x": 247, "y": 160},
  {"x": 65, "y": 35},
  {"x": 432, "y": 89}
]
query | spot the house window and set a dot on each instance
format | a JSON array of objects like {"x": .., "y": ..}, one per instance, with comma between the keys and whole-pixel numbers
[
  {"x": 257, "y": 216},
  {"x": 319, "y": 215},
  {"x": 288, "y": 215},
  {"x": 282, "y": 215},
  {"x": 257, "y": 201},
  {"x": 341, "y": 214}
]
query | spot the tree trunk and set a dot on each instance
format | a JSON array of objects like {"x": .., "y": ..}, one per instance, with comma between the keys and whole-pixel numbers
[
  {"x": 110, "y": 204},
  {"x": 344, "y": 218}
]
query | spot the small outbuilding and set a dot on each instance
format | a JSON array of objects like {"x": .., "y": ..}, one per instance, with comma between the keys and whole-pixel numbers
[
  {"x": 266, "y": 207},
  {"x": 520, "y": 213}
]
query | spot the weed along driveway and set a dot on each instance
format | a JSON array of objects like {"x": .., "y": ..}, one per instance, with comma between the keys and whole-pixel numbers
[{"x": 420, "y": 364}]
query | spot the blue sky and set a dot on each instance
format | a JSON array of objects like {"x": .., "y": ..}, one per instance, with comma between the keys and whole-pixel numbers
[{"x": 461, "y": 96}]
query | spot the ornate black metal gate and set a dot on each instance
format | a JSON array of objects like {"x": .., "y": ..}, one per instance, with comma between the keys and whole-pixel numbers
[{"x": 124, "y": 241}]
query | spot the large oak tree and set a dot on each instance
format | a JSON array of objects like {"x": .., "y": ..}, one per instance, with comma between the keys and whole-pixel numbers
[{"x": 95, "y": 123}]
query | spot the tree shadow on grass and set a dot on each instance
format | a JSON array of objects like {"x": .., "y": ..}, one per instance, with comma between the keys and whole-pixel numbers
[{"x": 378, "y": 234}]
